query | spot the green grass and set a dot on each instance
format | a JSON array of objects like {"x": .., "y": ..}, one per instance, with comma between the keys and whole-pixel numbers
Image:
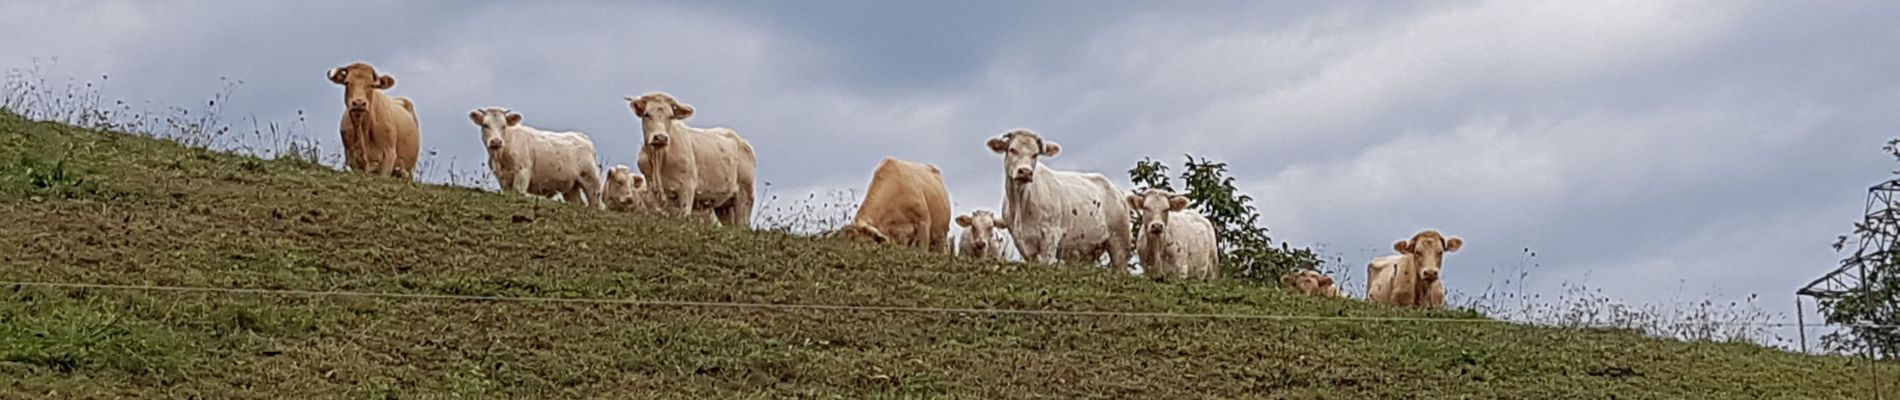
[{"x": 98, "y": 207}]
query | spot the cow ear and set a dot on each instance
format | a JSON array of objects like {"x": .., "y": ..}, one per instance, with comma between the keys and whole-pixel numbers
[
  {"x": 514, "y": 119},
  {"x": 998, "y": 144},
  {"x": 639, "y": 182},
  {"x": 682, "y": 110},
  {"x": 336, "y": 75},
  {"x": 1287, "y": 279},
  {"x": 998, "y": 224},
  {"x": 1177, "y": 203},
  {"x": 1325, "y": 280},
  {"x": 1051, "y": 149},
  {"x": 963, "y": 221},
  {"x": 639, "y": 108},
  {"x": 1134, "y": 201},
  {"x": 476, "y": 117},
  {"x": 385, "y": 82},
  {"x": 1403, "y": 247},
  {"x": 1452, "y": 245}
]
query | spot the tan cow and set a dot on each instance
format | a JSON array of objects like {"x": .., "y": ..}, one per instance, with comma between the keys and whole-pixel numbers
[
  {"x": 626, "y": 190},
  {"x": 1173, "y": 240},
  {"x": 1059, "y": 215},
  {"x": 980, "y": 239},
  {"x": 1312, "y": 283},
  {"x": 1412, "y": 277},
  {"x": 905, "y": 205},
  {"x": 541, "y": 163},
  {"x": 380, "y": 133},
  {"x": 693, "y": 169}
]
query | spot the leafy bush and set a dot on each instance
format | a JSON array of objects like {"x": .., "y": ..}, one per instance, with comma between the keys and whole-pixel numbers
[{"x": 1246, "y": 252}]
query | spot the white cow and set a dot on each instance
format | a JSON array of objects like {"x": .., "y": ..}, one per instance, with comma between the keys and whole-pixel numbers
[
  {"x": 1059, "y": 215},
  {"x": 626, "y": 190},
  {"x": 1173, "y": 241},
  {"x": 979, "y": 239},
  {"x": 1411, "y": 278},
  {"x": 693, "y": 169},
  {"x": 531, "y": 161}
]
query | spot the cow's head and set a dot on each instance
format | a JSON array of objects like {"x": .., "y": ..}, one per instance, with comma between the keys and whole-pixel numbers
[
  {"x": 982, "y": 225},
  {"x": 862, "y": 232},
  {"x": 1303, "y": 281},
  {"x": 1021, "y": 149},
  {"x": 493, "y": 120},
  {"x": 358, "y": 79},
  {"x": 1152, "y": 206},
  {"x": 1428, "y": 249},
  {"x": 657, "y": 111},
  {"x": 624, "y": 186}
]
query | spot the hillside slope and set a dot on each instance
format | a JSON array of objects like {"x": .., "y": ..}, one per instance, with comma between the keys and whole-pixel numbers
[{"x": 137, "y": 211}]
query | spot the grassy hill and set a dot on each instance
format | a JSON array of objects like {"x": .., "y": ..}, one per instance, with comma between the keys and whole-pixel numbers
[{"x": 107, "y": 208}]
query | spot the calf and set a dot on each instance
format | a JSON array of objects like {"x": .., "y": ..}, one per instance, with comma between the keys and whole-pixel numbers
[
  {"x": 1312, "y": 283},
  {"x": 1059, "y": 215},
  {"x": 531, "y": 161},
  {"x": 906, "y": 205},
  {"x": 693, "y": 169},
  {"x": 1173, "y": 240},
  {"x": 625, "y": 190},
  {"x": 1411, "y": 278},
  {"x": 979, "y": 239},
  {"x": 380, "y": 133}
]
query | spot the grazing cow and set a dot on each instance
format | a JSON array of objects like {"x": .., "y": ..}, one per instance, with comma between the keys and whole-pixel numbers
[
  {"x": 1312, "y": 283},
  {"x": 1059, "y": 215},
  {"x": 380, "y": 134},
  {"x": 693, "y": 169},
  {"x": 1173, "y": 240},
  {"x": 626, "y": 190},
  {"x": 531, "y": 161},
  {"x": 906, "y": 205},
  {"x": 1411, "y": 278},
  {"x": 979, "y": 239}
]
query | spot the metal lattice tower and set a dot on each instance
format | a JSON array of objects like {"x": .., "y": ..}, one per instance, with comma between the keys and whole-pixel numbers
[{"x": 1877, "y": 231}]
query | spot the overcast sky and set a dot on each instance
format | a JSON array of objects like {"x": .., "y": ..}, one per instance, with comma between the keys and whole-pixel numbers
[{"x": 1657, "y": 150}]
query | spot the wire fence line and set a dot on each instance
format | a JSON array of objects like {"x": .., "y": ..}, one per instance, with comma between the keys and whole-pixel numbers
[{"x": 807, "y": 307}]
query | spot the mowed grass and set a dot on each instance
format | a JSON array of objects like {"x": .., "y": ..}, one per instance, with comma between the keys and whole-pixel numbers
[{"x": 106, "y": 208}]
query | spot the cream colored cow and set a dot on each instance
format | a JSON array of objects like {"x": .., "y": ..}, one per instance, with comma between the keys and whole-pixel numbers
[
  {"x": 1312, "y": 283},
  {"x": 905, "y": 205},
  {"x": 625, "y": 190},
  {"x": 980, "y": 239},
  {"x": 1173, "y": 241},
  {"x": 1412, "y": 277},
  {"x": 1059, "y": 215},
  {"x": 692, "y": 169},
  {"x": 531, "y": 161},
  {"x": 380, "y": 134}
]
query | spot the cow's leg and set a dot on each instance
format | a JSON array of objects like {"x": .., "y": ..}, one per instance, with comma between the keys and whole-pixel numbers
[
  {"x": 521, "y": 178},
  {"x": 1051, "y": 244},
  {"x": 389, "y": 162}
]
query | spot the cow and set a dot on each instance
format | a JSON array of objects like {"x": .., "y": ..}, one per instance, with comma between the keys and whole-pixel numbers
[
  {"x": 980, "y": 239},
  {"x": 380, "y": 133},
  {"x": 536, "y": 162},
  {"x": 1412, "y": 277},
  {"x": 905, "y": 205},
  {"x": 625, "y": 190},
  {"x": 1173, "y": 240},
  {"x": 1059, "y": 215},
  {"x": 693, "y": 169},
  {"x": 1312, "y": 283}
]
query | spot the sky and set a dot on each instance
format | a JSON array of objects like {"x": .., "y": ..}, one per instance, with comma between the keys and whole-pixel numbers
[{"x": 1657, "y": 151}]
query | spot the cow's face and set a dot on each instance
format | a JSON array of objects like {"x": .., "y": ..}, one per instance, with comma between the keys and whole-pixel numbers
[
  {"x": 623, "y": 185},
  {"x": 1429, "y": 248},
  {"x": 1153, "y": 206},
  {"x": 982, "y": 226},
  {"x": 1021, "y": 150},
  {"x": 657, "y": 111},
  {"x": 861, "y": 232},
  {"x": 493, "y": 120},
  {"x": 358, "y": 80}
]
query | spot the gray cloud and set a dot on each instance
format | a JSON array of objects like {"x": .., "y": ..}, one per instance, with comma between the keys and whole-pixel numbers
[{"x": 1654, "y": 147}]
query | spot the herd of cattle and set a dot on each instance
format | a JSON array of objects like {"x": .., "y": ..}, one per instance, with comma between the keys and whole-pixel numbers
[{"x": 1051, "y": 215}]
